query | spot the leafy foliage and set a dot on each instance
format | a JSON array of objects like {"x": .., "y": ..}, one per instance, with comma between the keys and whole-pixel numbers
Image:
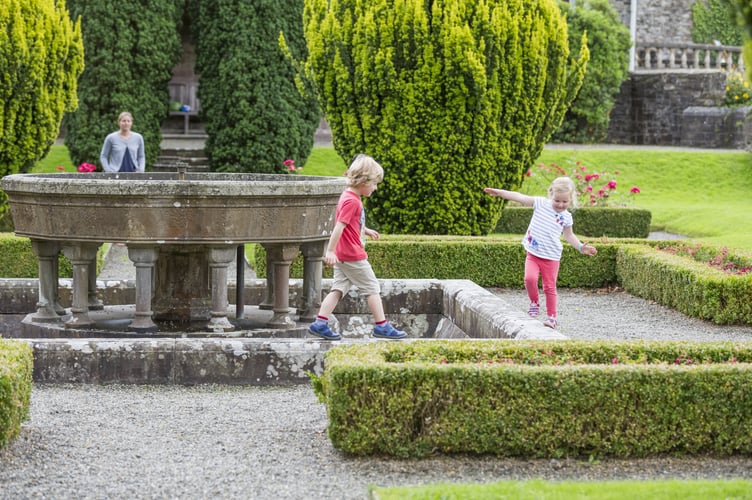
[
  {"x": 130, "y": 51},
  {"x": 587, "y": 119},
  {"x": 716, "y": 20},
  {"x": 448, "y": 99},
  {"x": 16, "y": 367},
  {"x": 538, "y": 398},
  {"x": 254, "y": 115},
  {"x": 41, "y": 56},
  {"x": 738, "y": 92},
  {"x": 744, "y": 19}
]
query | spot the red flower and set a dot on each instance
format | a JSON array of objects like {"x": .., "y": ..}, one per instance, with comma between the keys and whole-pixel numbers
[
  {"x": 635, "y": 190},
  {"x": 60, "y": 168},
  {"x": 611, "y": 185},
  {"x": 87, "y": 167}
]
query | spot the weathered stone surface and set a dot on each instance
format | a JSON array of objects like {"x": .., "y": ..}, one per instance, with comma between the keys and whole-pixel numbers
[
  {"x": 426, "y": 309},
  {"x": 161, "y": 208}
]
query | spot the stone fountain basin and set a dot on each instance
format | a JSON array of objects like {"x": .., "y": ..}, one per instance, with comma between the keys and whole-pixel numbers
[{"x": 164, "y": 208}]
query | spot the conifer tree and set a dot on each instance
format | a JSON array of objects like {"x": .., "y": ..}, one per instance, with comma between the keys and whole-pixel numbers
[
  {"x": 41, "y": 58},
  {"x": 253, "y": 113},
  {"x": 449, "y": 96},
  {"x": 131, "y": 48}
]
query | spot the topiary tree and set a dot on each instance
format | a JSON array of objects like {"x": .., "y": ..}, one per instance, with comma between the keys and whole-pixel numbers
[
  {"x": 131, "y": 48},
  {"x": 449, "y": 96},
  {"x": 587, "y": 119},
  {"x": 41, "y": 56},
  {"x": 253, "y": 113}
]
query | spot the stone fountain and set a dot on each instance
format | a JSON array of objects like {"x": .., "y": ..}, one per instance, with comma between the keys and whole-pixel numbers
[{"x": 182, "y": 231}]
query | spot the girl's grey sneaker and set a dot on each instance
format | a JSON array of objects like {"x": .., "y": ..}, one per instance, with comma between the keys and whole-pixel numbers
[
  {"x": 387, "y": 331},
  {"x": 550, "y": 322},
  {"x": 323, "y": 331}
]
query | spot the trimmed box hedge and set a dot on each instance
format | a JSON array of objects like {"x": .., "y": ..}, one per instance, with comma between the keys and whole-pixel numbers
[
  {"x": 16, "y": 367},
  {"x": 17, "y": 260},
  {"x": 539, "y": 399},
  {"x": 686, "y": 284},
  {"x": 622, "y": 222},
  {"x": 488, "y": 261}
]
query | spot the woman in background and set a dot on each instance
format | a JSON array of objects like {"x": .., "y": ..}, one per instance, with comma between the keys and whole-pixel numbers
[{"x": 123, "y": 151}]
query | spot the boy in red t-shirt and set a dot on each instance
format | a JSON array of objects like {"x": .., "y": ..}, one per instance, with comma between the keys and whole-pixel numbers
[{"x": 346, "y": 252}]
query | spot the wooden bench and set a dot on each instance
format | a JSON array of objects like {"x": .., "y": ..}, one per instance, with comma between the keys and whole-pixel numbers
[{"x": 184, "y": 92}]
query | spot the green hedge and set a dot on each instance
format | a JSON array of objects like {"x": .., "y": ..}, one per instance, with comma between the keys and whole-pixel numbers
[
  {"x": 688, "y": 285},
  {"x": 539, "y": 399},
  {"x": 17, "y": 260},
  {"x": 16, "y": 367},
  {"x": 488, "y": 261},
  {"x": 588, "y": 221}
]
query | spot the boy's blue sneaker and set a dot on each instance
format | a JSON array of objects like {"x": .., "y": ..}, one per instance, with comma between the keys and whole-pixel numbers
[
  {"x": 387, "y": 331},
  {"x": 323, "y": 331}
]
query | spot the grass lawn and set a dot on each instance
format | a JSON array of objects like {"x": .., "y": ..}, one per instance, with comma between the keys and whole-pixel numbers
[
  {"x": 704, "y": 195},
  {"x": 570, "y": 490}
]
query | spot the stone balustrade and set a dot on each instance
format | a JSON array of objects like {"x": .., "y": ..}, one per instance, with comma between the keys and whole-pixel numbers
[{"x": 661, "y": 56}]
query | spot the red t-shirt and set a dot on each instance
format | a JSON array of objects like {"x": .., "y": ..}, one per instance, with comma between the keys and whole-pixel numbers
[{"x": 351, "y": 245}]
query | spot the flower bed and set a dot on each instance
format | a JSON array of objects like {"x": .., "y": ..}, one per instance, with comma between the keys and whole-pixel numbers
[{"x": 539, "y": 399}]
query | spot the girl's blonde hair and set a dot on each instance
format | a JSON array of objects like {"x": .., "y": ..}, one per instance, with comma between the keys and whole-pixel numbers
[
  {"x": 564, "y": 185},
  {"x": 364, "y": 170}
]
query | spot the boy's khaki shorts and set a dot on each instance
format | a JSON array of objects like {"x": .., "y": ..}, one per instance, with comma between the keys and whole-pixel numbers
[{"x": 357, "y": 273}]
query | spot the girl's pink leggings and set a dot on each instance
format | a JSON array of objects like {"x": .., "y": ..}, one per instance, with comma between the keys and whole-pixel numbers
[{"x": 548, "y": 270}]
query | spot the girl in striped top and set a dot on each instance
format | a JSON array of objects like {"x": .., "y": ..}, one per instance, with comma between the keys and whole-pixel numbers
[{"x": 542, "y": 240}]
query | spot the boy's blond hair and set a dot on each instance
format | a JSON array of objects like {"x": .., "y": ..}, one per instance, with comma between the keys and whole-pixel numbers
[
  {"x": 564, "y": 185},
  {"x": 364, "y": 170}
]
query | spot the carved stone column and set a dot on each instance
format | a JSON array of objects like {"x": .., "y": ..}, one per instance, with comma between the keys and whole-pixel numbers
[
  {"x": 182, "y": 291},
  {"x": 144, "y": 258},
  {"x": 81, "y": 255},
  {"x": 282, "y": 255},
  {"x": 47, "y": 255},
  {"x": 219, "y": 259},
  {"x": 313, "y": 268}
]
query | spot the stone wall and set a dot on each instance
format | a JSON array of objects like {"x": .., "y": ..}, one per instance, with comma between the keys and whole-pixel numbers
[
  {"x": 659, "y": 20},
  {"x": 676, "y": 108},
  {"x": 651, "y": 106}
]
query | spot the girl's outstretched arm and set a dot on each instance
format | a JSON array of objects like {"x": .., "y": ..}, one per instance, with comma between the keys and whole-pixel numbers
[
  {"x": 575, "y": 242},
  {"x": 520, "y": 198}
]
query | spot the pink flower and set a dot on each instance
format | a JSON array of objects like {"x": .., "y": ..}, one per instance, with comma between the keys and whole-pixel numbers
[
  {"x": 635, "y": 190},
  {"x": 87, "y": 167},
  {"x": 611, "y": 185},
  {"x": 290, "y": 164},
  {"x": 528, "y": 173}
]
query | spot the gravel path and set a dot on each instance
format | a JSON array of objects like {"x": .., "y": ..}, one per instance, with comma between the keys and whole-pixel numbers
[{"x": 86, "y": 441}]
